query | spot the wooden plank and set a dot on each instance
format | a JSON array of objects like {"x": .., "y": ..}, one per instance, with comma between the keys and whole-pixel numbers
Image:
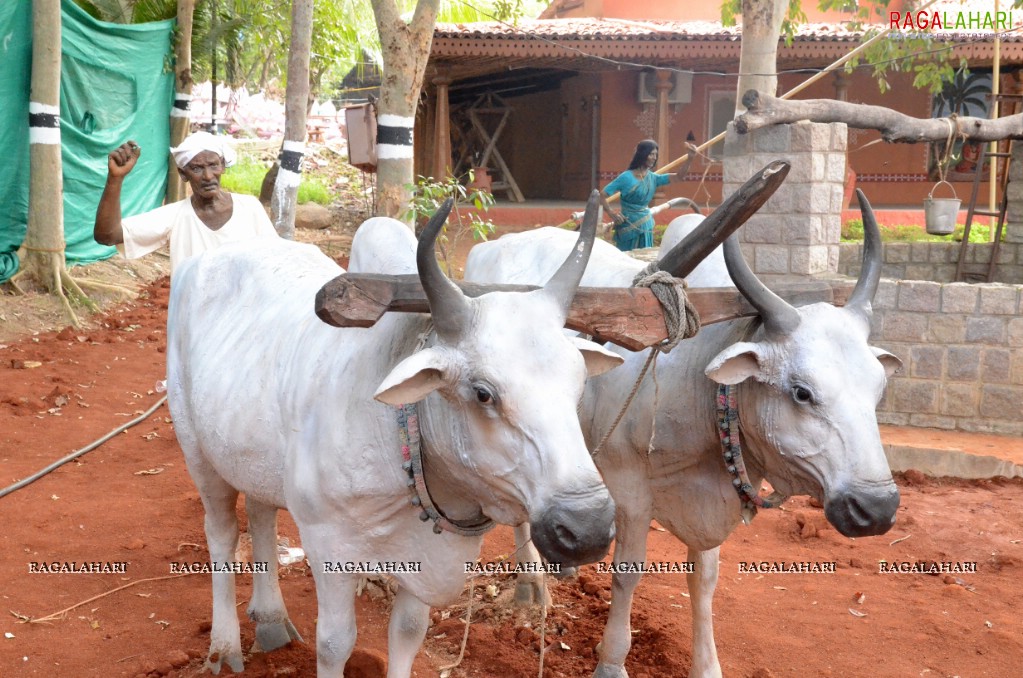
[{"x": 630, "y": 317}]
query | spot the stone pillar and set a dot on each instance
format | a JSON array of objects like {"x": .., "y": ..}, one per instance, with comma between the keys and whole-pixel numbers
[
  {"x": 797, "y": 232},
  {"x": 1013, "y": 227}
]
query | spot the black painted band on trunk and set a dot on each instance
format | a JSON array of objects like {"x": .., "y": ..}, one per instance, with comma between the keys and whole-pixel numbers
[
  {"x": 43, "y": 120},
  {"x": 291, "y": 161},
  {"x": 395, "y": 136}
]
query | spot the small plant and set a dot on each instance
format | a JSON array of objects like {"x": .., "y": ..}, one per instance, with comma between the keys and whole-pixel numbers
[{"x": 428, "y": 195}]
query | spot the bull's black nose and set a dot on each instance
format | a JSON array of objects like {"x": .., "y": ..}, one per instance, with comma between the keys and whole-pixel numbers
[
  {"x": 577, "y": 530},
  {"x": 864, "y": 513}
]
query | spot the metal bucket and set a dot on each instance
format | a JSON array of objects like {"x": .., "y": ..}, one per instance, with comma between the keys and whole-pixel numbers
[{"x": 940, "y": 213}]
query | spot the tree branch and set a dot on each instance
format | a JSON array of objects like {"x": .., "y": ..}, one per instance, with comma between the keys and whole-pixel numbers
[
  {"x": 425, "y": 16},
  {"x": 387, "y": 15},
  {"x": 764, "y": 110}
]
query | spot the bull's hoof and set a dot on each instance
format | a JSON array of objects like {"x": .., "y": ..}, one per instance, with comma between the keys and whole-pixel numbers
[
  {"x": 531, "y": 593},
  {"x": 566, "y": 573},
  {"x": 610, "y": 671},
  {"x": 272, "y": 635},
  {"x": 217, "y": 659}
]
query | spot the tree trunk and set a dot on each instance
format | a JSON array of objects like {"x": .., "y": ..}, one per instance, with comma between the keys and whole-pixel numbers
[
  {"x": 758, "y": 51},
  {"x": 405, "y": 48},
  {"x": 44, "y": 240},
  {"x": 179, "y": 120},
  {"x": 285, "y": 194},
  {"x": 764, "y": 111}
]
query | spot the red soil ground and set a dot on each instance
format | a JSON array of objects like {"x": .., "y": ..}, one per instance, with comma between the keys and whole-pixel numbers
[{"x": 131, "y": 500}]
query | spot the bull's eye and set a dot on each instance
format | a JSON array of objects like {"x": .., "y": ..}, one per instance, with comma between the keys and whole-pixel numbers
[
  {"x": 483, "y": 395},
  {"x": 802, "y": 395}
]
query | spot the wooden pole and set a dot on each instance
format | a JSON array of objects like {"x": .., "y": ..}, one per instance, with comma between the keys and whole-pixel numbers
[
  {"x": 442, "y": 129},
  {"x": 993, "y": 148}
]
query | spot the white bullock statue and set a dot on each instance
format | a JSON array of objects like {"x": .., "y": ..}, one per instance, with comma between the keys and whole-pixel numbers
[
  {"x": 797, "y": 387},
  {"x": 271, "y": 402}
]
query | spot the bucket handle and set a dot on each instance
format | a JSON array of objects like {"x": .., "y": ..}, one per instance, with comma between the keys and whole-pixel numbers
[{"x": 930, "y": 196}]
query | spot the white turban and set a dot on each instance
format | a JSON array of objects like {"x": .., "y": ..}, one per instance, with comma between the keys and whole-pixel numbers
[{"x": 196, "y": 143}]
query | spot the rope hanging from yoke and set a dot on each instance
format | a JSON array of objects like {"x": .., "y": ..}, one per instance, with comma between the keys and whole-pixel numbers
[{"x": 681, "y": 319}]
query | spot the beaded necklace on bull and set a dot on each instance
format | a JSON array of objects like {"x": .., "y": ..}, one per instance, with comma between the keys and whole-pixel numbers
[
  {"x": 412, "y": 463},
  {"x": 731, "y": 445}
]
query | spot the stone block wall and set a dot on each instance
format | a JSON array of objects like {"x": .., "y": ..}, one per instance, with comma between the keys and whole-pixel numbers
[
  {"x": 797, "y": 232},
  {"x": 962, "y": 349},
  {"x": 936, "y": 261}
]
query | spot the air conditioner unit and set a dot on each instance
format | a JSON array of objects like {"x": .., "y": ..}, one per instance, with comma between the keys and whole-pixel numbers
[{"x": 681, "y": 91}]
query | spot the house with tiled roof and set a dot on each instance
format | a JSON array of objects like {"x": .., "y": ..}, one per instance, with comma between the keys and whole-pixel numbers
[{"x": 574, "y": 90}]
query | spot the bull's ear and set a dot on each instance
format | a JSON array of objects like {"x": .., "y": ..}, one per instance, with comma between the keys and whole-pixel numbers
[
  {"x": 735, "y": 364},
  {"x": 598, "y": 359},
  {"x": 890, "y": 362},
  {"x": 413, "y": 378}
]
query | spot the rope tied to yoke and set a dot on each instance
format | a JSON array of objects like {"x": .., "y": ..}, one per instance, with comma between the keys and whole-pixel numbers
[{"x": 681, "y": 319}]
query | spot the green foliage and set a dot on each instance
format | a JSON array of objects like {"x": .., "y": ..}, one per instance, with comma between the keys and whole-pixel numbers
[
  {"x": 915, "y": 53},
  {"x": 246, "y": 177},
  {"x": 251, "y": 37},
  {"x": 729, "y": 10},
  {"x": 429, "y": 194},
  {"x": 312, "y": 190},
  {"x": 852, "y": 231},
  {"x": 129, "y": 11},
  {"x": 509, "y": 10},
  {"x": 794, "y": 15}
]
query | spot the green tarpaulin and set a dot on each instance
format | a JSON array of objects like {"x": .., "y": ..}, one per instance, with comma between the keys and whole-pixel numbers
[{"x": 117, "y": 83}]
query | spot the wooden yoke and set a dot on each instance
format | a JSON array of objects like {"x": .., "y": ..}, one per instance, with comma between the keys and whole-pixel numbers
[{"x": 630, "y": 317}]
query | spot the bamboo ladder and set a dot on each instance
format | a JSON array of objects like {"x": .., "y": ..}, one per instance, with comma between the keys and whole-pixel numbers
[{"x": 1005, "y": 101}]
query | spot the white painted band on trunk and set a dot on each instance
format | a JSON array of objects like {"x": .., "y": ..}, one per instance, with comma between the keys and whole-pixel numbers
[
  {"x": 393, "y": 152},
  {"x": 297, "y": 146},
  {"x": 287, "y": 178},
  {"x": 44, "y": 135},
  {"x": 181, "y": 96},
  {"x": 36, "y": 107},
  {"x": 178, "y": 113},
  {"x": 389, "y": 120}
]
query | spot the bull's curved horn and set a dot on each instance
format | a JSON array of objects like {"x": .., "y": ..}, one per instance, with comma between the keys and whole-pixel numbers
[
  {"x": 870, "y": 272},
  {"x": 565, "y": 280},
  {"x": 722, "y": 222},
  {"x": 778, "y": 316},
  {"x": 448, "y": 306}
]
